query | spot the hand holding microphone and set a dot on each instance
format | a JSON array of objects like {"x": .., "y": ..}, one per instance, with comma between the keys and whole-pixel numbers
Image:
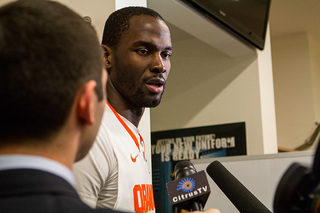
[{"x": 190, "y": 189}]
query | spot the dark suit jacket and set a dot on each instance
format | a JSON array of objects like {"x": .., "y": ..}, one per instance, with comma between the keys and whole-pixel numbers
[{"x": 33, "y": 191}]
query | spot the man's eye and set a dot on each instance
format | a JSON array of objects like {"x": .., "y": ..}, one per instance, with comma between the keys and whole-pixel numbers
[
  {"x": 166, "y": 55},
  {"x": 142, "y": 52}
]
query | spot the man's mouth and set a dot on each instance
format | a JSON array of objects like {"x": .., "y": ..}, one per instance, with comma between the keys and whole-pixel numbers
[{"x": 155, "y": 85}]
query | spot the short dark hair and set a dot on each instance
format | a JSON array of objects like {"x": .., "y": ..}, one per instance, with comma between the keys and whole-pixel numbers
[
  {"x": 47, "y": 52},
  {"x": 118, "y": 23}
]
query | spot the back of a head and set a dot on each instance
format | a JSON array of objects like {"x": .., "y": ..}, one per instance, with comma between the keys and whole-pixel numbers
[
  {"x": 118, "y": 22},
  {"x": 47, "y": 52}
]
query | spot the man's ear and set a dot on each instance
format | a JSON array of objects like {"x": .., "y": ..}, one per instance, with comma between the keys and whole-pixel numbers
[
  {"x": 86, "y": 102},
  {"x": 107, "y": 56}
]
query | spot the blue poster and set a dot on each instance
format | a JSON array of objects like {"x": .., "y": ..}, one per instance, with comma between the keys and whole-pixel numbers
[{"x": 172, "y": 146}]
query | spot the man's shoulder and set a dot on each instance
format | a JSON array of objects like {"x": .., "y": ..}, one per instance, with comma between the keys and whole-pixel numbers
[{"x": 44, "y": 191}]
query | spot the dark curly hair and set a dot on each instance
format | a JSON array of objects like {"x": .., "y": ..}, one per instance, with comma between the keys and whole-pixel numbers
[
  {"x": 118, "y": 23},
  {"x": 47, "y": 52}
]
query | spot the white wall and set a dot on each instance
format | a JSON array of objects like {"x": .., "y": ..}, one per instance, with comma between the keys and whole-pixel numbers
[
  {"x": 315, "y": 67},
  {"x": 216, "y": 79},
  {"x": 295, "y": 66},
  {"x": 126, "y": 3},
  {"x": 206, "y": 87},
  {"x": 269, "y": 129},
  {"x": 97, "y": 10}
]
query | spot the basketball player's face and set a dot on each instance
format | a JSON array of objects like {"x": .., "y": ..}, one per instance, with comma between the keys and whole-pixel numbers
[{"x": 141, "y": 62}]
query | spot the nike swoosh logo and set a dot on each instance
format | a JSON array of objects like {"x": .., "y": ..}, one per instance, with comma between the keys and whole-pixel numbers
[{"x": 134, "y": 159}]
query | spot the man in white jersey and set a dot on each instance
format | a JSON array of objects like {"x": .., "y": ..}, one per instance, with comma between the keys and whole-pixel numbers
[{"x": 115, "y": 174}]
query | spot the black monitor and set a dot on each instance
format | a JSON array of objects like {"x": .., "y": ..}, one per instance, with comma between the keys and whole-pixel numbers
[{"x": 247, "y": 19}]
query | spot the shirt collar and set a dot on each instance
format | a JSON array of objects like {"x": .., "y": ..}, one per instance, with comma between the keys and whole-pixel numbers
[{"x": 36, "y": 162}]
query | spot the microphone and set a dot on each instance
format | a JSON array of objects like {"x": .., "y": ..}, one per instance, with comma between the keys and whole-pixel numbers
[
  {"x": 237, "y": 193},
  {"x": 190, "y": 189}
]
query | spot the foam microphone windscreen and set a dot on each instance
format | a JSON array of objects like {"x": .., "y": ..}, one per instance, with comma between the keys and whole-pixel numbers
[{"x": 237, "y": 193}]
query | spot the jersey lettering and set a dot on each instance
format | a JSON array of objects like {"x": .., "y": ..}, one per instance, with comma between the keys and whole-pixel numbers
[{"x": 143, "y": 198}]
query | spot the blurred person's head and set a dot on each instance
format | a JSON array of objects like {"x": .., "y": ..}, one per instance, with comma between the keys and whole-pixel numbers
[{"x": 51, "y": 68}]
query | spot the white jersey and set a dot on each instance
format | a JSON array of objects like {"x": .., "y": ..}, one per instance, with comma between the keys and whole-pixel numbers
[{"x": 115, "y": 173}]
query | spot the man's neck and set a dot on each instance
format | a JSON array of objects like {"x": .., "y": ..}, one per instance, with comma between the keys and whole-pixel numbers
[
  {"x": 121, "y": 106},
  {"x": 132, "y": 114}
]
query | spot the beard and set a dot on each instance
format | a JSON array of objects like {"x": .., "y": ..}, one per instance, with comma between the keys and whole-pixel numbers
[
  {"x": 135, "y": 93},
  {"x": 140, "y": 99}
]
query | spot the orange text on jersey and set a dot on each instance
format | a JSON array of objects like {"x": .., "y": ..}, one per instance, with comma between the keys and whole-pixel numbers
[{"x": 143, "y": 198}]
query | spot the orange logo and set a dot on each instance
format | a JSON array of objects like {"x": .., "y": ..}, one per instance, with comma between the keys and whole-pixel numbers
[
  {"x": 134, "y": 159},
  {"x": 143, "y": 198}
]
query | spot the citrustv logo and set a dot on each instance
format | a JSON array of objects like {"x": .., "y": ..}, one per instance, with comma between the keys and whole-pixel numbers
[{"x": 186, "y": 185}]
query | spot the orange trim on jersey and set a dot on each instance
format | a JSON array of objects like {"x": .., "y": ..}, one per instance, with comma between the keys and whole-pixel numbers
[
  {"x": 144, "y": 147},
  {"x": 125, "y": 126}
]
